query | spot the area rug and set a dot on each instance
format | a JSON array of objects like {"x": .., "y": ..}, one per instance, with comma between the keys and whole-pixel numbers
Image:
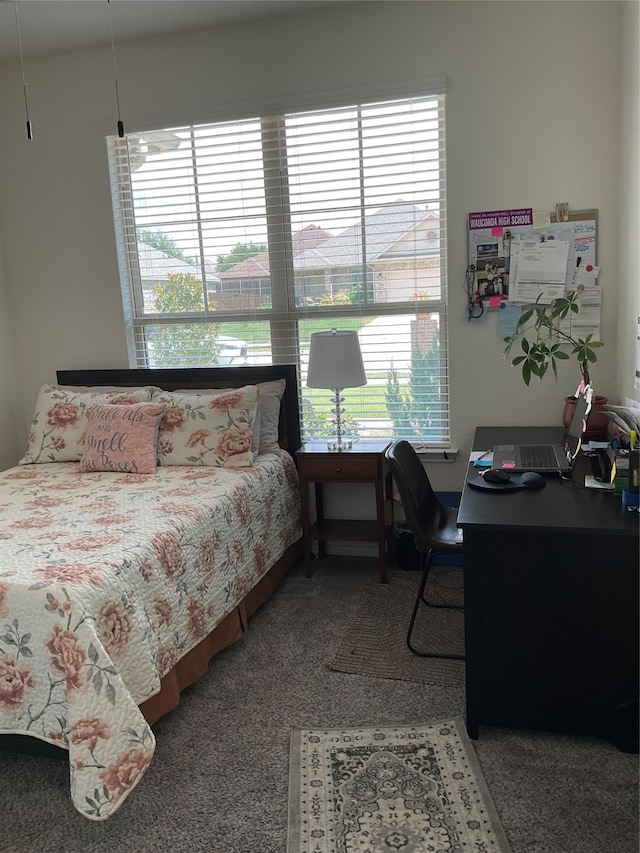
[
  {"x": 375, "y": 644},
  {"x": 396, "y": 789}
]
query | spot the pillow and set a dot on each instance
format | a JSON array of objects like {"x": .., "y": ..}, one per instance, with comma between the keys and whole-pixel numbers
[
  {"x": 122, "y": 438},
  {"x": 271, "y": 394},
  {"x": 59, "y": 422},
  {"x": 203, "y": 430},
  {"x": 108, "y": 389},
  {"x": 215, "y": 392}
]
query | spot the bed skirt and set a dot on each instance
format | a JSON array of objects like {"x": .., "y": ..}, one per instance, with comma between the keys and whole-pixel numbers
[{"x": 195, "y": 663}]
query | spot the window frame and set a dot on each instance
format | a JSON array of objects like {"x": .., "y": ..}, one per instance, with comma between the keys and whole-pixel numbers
[{"x": 284, "y": 315}]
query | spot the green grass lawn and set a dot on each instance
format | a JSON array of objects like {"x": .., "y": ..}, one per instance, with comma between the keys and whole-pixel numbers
[
  {"x": 370, "y": 398},
  {"x": 260, "y": 330}
]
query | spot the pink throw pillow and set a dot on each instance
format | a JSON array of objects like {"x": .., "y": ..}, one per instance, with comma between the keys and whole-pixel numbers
[{"x": 123, "y": 439}]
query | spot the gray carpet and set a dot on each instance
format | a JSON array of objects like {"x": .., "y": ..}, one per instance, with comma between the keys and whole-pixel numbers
[{"x": 219, "y": 779}]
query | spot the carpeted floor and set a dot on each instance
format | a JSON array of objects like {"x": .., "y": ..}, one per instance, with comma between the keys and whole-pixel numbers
[{"x": 219, "y": 779}]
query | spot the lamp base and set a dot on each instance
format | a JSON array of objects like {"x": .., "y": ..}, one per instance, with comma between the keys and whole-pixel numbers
[{"x": 339, "y": 444}]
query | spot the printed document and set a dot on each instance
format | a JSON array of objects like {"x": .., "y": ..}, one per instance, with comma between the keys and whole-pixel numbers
[{"x": 540, "y": 270}]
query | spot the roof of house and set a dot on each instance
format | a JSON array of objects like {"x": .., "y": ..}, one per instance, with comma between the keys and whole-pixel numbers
[
  {"x": 383, "y": 229},
  {"x": 257, "y": 266},
  {"x": 315, "y": 248},
  {"x": 156, "y": 265}
]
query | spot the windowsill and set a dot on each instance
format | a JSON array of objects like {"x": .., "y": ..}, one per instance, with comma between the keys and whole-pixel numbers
[{"x": 437, "y": 455}]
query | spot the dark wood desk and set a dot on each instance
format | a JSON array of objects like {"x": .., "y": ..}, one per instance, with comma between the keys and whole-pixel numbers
[{"x": 551, "y": 604}]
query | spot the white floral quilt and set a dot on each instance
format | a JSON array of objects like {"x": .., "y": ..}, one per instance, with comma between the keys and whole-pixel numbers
[{"x": 106, "y": 580}]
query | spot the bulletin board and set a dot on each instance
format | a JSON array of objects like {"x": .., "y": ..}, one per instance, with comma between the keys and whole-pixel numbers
[{"x": 518, "y": 257}]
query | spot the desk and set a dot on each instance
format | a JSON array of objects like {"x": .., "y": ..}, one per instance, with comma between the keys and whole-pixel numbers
[{"x": 551, "y": 604}]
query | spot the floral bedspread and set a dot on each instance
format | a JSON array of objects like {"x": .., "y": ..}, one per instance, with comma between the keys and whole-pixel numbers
[{"x": 106, "y": 580}]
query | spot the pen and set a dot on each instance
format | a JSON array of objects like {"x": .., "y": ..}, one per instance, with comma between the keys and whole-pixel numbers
[{"x": 578, "y": 262}]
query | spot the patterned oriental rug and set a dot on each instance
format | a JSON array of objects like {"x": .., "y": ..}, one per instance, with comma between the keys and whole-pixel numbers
[{"x": 396, "y": 789}]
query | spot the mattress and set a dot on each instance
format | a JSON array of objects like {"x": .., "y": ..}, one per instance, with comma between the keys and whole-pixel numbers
[{"x": 106, "y": 581}]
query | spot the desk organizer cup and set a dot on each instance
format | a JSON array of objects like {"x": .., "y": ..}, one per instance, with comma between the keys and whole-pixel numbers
[{"x": 631, "y": 495}]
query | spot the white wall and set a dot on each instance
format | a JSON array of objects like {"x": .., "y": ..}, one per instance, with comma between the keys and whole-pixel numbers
[
  {"x": 629, "y": 246},
  {"x": 533, "y": 118},
  {"x": 11, "y": 429}
]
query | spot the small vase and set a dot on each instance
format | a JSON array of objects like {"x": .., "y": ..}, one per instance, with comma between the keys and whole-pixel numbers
[{"x": 596, "y": 424}]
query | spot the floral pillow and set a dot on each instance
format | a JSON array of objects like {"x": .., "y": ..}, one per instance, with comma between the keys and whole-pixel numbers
[
  {"x": 214, "y": 431},
  {"x": 266, "y": 430},
  {"x": 122, "y": 439},
  {"x": 60, "y": 420}
]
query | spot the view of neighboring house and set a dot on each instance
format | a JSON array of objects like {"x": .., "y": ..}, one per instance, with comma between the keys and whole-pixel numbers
[
  {"x": 156, "y": 268},
  {"x": 402, "y": 250},
  {"x": 250, "y": 279}
]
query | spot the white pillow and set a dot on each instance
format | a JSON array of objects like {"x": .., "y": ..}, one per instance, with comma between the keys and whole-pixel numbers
[{"x": 271, "y": 394}]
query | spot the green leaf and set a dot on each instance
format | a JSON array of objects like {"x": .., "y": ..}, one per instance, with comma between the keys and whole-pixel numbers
[{"x": 111, "y": 693}]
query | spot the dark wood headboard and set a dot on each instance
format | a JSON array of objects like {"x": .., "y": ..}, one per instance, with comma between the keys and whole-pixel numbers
[{"x": 173, "y": 378}]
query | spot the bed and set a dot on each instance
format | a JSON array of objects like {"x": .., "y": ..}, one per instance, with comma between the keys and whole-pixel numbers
[{"x": 119, "y": 583}]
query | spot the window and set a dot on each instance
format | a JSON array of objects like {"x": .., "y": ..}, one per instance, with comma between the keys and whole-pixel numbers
[{"x": 239, "y": 239}]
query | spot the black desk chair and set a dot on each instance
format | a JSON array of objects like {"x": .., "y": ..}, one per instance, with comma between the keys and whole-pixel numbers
[{"x": 433, "y": 525}]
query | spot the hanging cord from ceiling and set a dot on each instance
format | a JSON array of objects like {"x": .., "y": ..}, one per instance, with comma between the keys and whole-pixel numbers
[
  {"x": 24, "y": 82},
  {"x": 115, "y": 72}
]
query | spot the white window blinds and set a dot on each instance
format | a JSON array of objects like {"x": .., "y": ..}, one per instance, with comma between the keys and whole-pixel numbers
[{"x": 237, "y": 240}]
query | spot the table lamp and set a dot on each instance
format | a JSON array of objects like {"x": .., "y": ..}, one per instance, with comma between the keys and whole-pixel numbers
[{"x": 335, "y": 362}]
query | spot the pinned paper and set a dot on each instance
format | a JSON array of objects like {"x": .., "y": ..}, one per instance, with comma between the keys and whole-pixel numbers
[
  {"x": 541, "y": 219},
  {"x": 508, "y": 318}
]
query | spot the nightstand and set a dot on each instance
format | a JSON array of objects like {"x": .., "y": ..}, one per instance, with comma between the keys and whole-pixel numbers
[{"x": 364, "y": 463}]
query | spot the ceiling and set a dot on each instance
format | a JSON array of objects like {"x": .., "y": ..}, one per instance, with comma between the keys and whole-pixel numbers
[{"x": 51, "y": 26}]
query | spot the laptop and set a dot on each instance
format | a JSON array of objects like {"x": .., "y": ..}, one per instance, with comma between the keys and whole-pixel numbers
[{"x": 547, "y": 458}]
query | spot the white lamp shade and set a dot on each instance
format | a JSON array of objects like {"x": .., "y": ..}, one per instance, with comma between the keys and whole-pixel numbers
[{"x": 335, "y": 361}]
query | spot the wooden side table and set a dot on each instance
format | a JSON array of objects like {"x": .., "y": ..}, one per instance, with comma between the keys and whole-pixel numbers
[{"x": 364, "y": 463}]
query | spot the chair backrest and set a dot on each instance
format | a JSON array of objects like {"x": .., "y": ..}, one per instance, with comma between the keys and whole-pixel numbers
[{"x": 425, "y": 514}]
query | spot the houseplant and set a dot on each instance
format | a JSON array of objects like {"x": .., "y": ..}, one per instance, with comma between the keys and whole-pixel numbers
[{"x": 545, "y": 340}]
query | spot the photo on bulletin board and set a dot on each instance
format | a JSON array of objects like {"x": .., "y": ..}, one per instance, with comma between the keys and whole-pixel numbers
[{"x": 492, "y": 276}]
